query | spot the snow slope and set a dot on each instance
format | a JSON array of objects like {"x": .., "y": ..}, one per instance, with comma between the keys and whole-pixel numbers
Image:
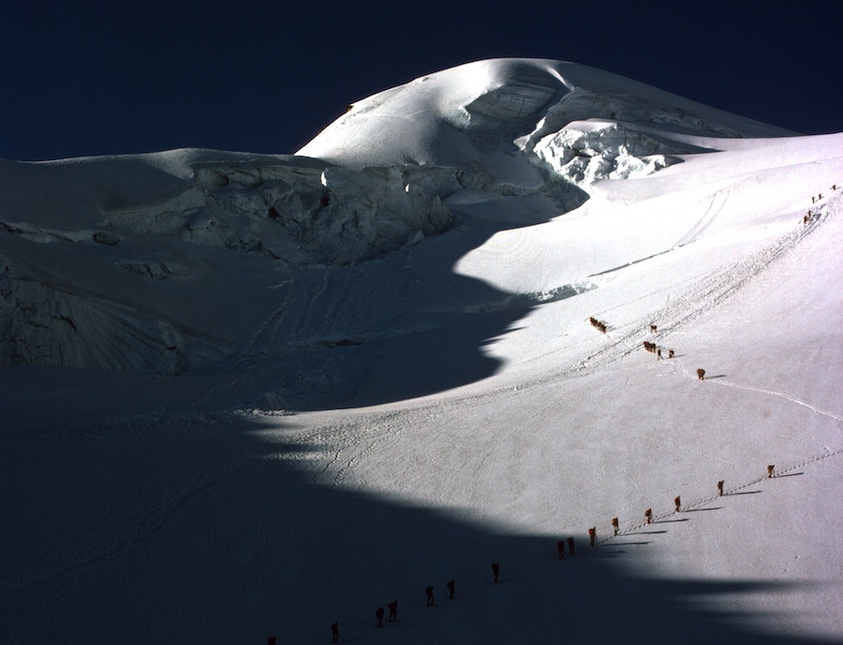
[{"x": 251, "y": 395}]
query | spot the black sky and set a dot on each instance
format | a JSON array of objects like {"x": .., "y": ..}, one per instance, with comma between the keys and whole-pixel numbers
[{"x": 91, "y": 78}]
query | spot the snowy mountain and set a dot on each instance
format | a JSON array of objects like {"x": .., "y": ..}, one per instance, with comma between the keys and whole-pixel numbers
[
  {"x": 257, "y": 394},
  {"x": 488, "y": 129}
]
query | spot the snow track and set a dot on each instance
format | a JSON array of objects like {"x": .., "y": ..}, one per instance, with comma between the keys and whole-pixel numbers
[
  {"x": 783, "y": 395},
  {"x": 704, "y": 295},
  {"x": 528, "y": 572},
  {"x": 133, "y": 529},
  {"x": 443, "y": 275},
  {"x": 700, "y": 298},
  {"x": 718, "y": 201}
]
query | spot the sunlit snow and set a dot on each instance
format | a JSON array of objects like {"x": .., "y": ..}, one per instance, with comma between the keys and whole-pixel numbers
[{"x": 253, "y": 395}]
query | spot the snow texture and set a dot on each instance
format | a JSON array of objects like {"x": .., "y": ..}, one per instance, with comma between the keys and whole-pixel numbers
[{"x": 253, "y": 395}]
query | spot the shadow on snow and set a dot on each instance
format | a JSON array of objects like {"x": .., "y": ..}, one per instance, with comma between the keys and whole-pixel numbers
[{"x": 208, "y": 529}]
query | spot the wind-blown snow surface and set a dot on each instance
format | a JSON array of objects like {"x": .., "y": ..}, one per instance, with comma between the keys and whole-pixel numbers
[{"x": 387, "y": 377}]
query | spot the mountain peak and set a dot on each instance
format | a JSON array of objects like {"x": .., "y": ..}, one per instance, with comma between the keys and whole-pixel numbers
[{"x": 468, "y": 115}]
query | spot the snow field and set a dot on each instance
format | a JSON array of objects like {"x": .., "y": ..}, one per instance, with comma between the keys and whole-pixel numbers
[
  {"x": 641, "y": 451},
  {"x": 393, "y": 424},
  {"x": 650, "y": 603}
]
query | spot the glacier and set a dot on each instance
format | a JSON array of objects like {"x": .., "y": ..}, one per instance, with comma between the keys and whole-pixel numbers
[
  {"x": 397, "y": 168},
  {"x": 248, "y": 395}
]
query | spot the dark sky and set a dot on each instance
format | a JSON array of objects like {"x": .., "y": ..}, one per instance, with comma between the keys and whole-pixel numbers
[{"x": 89, "y": 78}]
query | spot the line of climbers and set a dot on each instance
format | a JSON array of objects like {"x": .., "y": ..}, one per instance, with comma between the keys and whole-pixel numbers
[
  {"x": 560, "y": 548},
  {"x": 592, "y": 532}
]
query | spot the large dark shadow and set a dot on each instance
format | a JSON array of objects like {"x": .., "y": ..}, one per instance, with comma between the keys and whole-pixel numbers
[
  {"x": 201, "y": 529},
  {"x": 302, "y": 336},
  {"x": 396, "y": 328}
]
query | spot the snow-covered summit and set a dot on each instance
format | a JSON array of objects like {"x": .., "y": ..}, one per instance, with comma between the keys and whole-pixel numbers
[
  {"x": 481, "y": 114},
  {"x": 398, "y": 168},
  {"x": 390, "y": 173}
]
